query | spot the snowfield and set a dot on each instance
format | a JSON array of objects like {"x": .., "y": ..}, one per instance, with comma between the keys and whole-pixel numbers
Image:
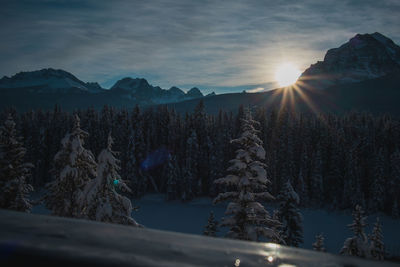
[{"x": 191, "y": 217}]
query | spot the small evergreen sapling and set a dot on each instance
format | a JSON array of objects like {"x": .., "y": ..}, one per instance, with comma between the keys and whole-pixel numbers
[
  {"x": 14, "y": 190},
  {"x": 377, "y": 246},
  {"x": 318, "y": 245},
  {"x": 358, "y": 244},
  {"x": 290, "y": 216},
  {"x": 212, "y": 226}
]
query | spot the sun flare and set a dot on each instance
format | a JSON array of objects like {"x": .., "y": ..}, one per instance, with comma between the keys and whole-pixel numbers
[{"x": 287, "y": 74}]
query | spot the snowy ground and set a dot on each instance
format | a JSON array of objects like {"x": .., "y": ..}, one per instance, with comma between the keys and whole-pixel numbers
[
  {"x": 155, "y": 212},
  {"x": 191, "y": 218}
]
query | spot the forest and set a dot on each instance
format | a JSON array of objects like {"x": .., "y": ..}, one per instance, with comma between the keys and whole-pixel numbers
[{"x": 332, "y": 161}]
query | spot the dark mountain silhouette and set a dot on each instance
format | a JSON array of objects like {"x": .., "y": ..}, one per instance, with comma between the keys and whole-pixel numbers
[
  {"x": 48, "y": 87},
  {"x": 379, "y": 95}
]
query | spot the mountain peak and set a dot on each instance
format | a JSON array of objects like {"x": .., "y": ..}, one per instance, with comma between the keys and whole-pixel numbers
[
  {"x": 131, "y": 84},
  {"x": 194, "y": 93},
  {"x": 365, "y": 56},
  {"x": 47, "y": 80}
]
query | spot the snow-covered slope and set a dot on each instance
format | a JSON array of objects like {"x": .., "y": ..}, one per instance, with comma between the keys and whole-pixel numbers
[
  {"x": 363, "y": 57},
  {"x": 27, "y": 239},
  {"x": 48, "y": 80}
]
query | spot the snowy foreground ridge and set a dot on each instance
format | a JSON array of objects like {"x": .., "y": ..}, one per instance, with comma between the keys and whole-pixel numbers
[{"x": 27, "y": 239}]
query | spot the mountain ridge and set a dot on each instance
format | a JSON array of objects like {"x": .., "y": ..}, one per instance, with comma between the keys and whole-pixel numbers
[
  {"x": 364, "y": 56},
  {"x": 57, "y": 81}
]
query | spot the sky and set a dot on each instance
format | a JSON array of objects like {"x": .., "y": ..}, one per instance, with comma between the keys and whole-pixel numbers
[{"x": 215, "y": 45}]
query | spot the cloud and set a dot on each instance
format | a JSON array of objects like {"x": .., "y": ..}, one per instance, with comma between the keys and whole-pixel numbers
[{"x": 211, "y": 44}]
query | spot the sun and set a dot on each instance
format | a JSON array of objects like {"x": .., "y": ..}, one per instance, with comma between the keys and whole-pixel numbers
[{"x": 287, "y": 74}]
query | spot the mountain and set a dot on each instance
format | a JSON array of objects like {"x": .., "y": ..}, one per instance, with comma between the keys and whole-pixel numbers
[
  {"x": 142, "y": 92},
  {"x": 48, "y": 81},
  {"x": 363, "y": 57},
  {"x": 377, "y": 96},
  {"x": 362, "y": 74},
  {"x": 48, "y": 87}
]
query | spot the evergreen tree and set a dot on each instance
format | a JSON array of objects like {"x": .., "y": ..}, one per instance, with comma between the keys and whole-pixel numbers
[
  {"x": 190, "y": 183},
  {"x": 377, "y": 247},
  {"x": 131, "y": 168},
  {"x": 246, "y": 218},
  {"x": 212, "y": 226},
  {"x": 171, "y": 173},
  {"x": 74, "y": 167},
  {"x": 14, "y": 189},
  {"x": 358, "y": 244},
  {"x": 395, "y": 209},
  {"x": 377, "y": 186},
  {"x": 318, "y": 245},
  {"x": 102, "y": 201},
  {"x": 278, "y": 229},
  {"x": 316, "y": 179},
  {"x": 290, "y": 216}
]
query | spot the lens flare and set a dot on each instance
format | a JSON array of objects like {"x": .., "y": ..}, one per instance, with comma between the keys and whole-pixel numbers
[{"x": 287, "y": 74}]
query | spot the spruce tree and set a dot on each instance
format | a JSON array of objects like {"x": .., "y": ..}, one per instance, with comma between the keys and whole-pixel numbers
[
  {"x": 14, "y": 189},
  {"x": 74, "y": 167},
  {"x": 212, "y": 226},
  {"x": 131, "y": 166},
  {"x": 377, "y": 246},
  {"x": 102, "y": 201},
  {"x": 358, "y": 244},
  {"x": 318, "y": 245},
  {"x": 290, "y": 216},
  {"x": 171, "y": 173},
  {"x": 246, "y": 218},
  {"x": 190, "y": 183}
]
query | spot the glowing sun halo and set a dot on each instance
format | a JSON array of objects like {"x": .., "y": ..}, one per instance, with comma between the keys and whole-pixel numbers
[{"x": 287, "y": 74}]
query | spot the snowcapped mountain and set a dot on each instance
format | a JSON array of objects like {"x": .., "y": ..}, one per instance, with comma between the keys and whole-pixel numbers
[
  {"x": 47, "y": 87},
  {"x": 48, "y": 81},
  {"x": 141, "y": 91},
  {"x": 363, "y": 57}
]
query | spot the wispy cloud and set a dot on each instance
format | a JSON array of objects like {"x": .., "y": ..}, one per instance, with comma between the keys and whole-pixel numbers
[{"x": 211, "y": 44}]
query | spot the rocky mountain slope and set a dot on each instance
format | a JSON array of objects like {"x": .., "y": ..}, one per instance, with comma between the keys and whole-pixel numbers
[{"x": 363, "y": 57}]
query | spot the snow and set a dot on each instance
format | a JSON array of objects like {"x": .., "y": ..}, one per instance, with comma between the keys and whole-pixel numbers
[
  {"x": 75, "y": 241},
  {"x": 191, "y": 217}
]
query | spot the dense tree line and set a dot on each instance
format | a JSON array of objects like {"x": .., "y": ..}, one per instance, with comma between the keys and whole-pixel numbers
[{"x": 336, "y": 161}]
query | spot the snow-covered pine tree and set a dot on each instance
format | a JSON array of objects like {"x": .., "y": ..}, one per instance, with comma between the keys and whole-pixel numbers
[
  {"x": 14, "y": 189},
  {"x": 377, "y": 246},
  {"x": 290, "y": 216},
  {"x": 211, "y": 228},
  {"x": 246, "y": 218},
  {"x": 102, "y": 201},
  {"x": 74, "y": 167},
  {"x": 318, "y": 245},
  {"x": 358, "y": 244}
]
